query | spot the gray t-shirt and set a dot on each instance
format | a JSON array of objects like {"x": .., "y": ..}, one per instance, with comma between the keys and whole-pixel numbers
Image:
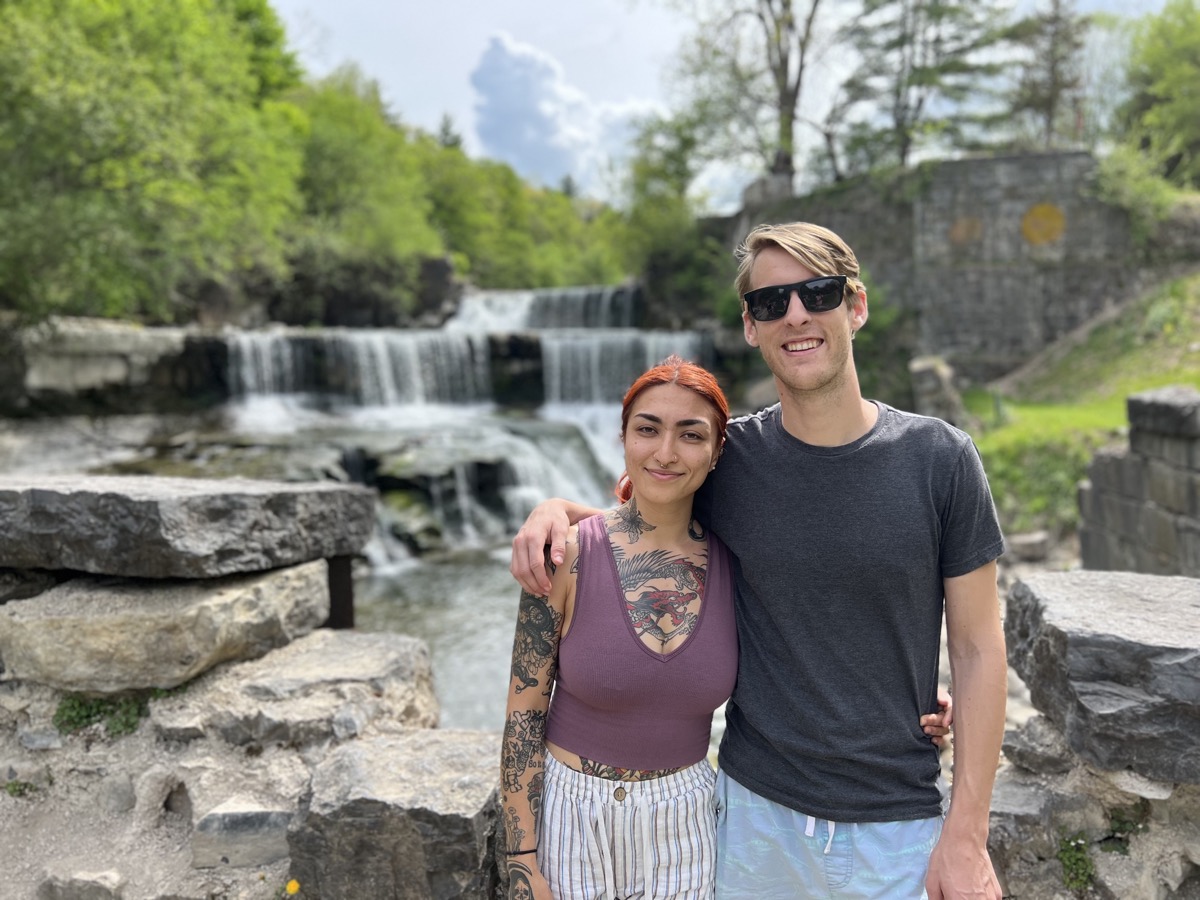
[{"x": 841, "y": 552}]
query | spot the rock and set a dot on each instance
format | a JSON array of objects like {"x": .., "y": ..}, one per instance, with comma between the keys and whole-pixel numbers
[
  {"x": 1031, "y": 547},
  {"x": 148, "y": 527},
  {"x": 1173, "y": 410},
  {"x": 80, "y": 635},
  {"x": 239, "y": 833},
  {"x": 1113, "y": 660},
  {"x": 82, "y": 886},
  {"x": 934, "y": 391},
  {"x": 1039, "y": 747},
  {"x": 20, "y": 584},
  {"x": 326, "y": 685},
  {"x": 405, "y": 816}
]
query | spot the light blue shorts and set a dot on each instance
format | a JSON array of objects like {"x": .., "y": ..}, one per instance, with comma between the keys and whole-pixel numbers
[{"x": 765, "y": 850}]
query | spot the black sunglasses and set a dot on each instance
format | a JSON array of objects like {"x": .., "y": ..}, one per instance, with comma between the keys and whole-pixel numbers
[{"x": 766, "y": 304}]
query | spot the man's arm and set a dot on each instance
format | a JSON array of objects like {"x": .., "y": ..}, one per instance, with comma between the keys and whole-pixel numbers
[
  {"x": 959, "y": 865},
  {"x": 545, "y": 527}
]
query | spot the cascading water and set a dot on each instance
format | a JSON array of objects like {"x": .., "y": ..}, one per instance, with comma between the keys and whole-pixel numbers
[{"x": 423, "y": 402}]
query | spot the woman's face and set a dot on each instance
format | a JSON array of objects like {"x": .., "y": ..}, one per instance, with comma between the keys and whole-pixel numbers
[{"x": 670, "y": 443}]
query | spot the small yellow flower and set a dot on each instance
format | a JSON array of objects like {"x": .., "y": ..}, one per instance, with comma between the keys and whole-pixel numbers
[{"x": 293, "y": 887}]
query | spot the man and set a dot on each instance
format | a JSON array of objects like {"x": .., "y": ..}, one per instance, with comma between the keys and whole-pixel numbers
[{"x": 854, "y": 525}]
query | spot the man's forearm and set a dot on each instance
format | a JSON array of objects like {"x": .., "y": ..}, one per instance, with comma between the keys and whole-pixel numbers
[{"x": 980, "y": 691}]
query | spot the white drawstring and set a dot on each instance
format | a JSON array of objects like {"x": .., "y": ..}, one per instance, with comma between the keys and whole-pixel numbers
[
  {"x": 610, "y": 889},
  {"x": 810, "y": 829}
]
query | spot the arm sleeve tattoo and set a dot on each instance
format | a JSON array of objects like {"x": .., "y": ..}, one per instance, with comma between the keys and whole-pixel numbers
[{"x": 523, "y": 750}]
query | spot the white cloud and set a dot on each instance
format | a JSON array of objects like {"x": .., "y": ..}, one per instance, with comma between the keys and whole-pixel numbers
[{"x": 528, "y": 115}]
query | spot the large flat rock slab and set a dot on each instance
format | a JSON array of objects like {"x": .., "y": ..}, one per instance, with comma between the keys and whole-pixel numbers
[
  {"x": 98, "y": 634},
  {"x": 150, "y": 527},
  {"x": 1113, "y": 660}
]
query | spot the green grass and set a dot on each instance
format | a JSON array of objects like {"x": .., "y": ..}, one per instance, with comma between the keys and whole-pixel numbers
[{"x": 1037, "y": 440}]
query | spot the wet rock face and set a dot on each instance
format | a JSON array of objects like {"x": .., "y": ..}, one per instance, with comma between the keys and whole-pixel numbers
[{"x": 177, "y": 527}]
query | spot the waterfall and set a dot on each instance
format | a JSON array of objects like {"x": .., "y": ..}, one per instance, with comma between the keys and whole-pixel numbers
[
  {"x": 366, "y": 367},
  {"x": 599, "y": 366},
  {"x": 593, "y": 306},
  {"x": 483, "y": 472}
]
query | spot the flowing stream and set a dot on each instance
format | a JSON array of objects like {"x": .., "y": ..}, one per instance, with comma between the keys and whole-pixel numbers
[{"x": 436, "y": 382}]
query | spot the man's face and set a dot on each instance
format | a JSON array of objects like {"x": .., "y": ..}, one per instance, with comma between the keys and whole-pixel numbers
[{"x": 806, "y": 352}]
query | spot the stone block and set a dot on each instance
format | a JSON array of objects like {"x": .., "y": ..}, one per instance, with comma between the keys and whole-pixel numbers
[
  {"x": 88, "y": 634},
  {"x": 82, "y": 886},
  {"x": 240, "y": 832},
  {"x": 326, "y": 685},
  {"x": 1173, "y": 488},
  {"x": 1158, "y": 530},
  {"x": 413, "y": 815},
  {"x": 1118, "y": 472},
  {"x": 1039, "y": 747},
  {"x": 1113, "y": 660},
  {"x": 1189, "y": 549},
  {"x": 151, "y": 527},
  {"x": 1183, "y": 452},
  {"x": 1173, "y": 410}
]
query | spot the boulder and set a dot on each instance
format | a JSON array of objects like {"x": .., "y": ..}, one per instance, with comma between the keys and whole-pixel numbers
[
  {"x": 328, "y": 685},
  {"x": 149, "y": 527},
  {"x": 81, "y": 635},
  {"x": 411, "y": 816},
  {"x": 1113, "y": 660}
]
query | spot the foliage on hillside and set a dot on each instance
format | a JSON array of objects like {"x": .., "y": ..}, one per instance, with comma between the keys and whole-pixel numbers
[
  {"x": 1037, "y": 439},
  {"x": 152, "y": 154}
]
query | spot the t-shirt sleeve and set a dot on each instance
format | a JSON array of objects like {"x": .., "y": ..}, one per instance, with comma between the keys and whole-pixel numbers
[{"x": 971, "y": 535}]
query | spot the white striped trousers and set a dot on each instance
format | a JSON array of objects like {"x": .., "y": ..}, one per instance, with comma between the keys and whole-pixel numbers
[{"x": 628, "y": 840}]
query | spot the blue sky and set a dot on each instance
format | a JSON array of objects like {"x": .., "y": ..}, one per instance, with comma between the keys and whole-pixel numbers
[{"x": 547, "y": 86}]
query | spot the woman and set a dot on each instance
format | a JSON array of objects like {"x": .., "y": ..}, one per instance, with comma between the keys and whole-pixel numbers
[{"x": 607, "y": 790}]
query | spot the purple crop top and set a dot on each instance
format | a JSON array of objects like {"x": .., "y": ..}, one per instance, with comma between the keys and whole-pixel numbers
[{"x": 617, "y": 701}]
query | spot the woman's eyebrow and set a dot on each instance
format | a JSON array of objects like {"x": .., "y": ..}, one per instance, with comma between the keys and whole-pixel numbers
[{"x": 680, "y": 423}]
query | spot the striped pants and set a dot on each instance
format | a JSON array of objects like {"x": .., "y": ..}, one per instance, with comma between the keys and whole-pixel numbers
[{"x": 628, "y": 840}]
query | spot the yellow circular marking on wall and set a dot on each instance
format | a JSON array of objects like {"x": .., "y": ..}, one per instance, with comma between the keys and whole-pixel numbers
[
  {"x": 966, "y": 230},
  {"x": 1043, "y": 223}
]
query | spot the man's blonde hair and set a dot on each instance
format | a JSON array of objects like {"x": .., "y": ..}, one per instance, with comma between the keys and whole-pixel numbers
[{"x": 818, "y": 249}]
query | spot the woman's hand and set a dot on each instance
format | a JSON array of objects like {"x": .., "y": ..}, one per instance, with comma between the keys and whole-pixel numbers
[{"x": 937, "y": 725}]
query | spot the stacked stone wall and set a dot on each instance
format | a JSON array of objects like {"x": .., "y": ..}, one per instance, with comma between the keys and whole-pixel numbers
[
  {"x": 1140, "y": 505},
  {"x": 997, "y": 257}
]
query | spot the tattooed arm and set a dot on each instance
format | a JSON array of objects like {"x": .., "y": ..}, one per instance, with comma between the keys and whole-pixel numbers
[{"x": 523, "y": 753}]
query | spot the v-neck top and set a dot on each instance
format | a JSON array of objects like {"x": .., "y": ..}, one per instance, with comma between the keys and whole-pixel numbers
[{"x": 617, "y": 701}]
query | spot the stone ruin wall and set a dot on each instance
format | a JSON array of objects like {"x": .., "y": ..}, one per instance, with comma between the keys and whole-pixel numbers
[
  {"x": 1140, "y": 505},
  {"x": 998, "y": 257}
]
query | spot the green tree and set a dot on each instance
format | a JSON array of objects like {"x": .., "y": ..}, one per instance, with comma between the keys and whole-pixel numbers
[
  {"x": 743, "y": 71},
  {"x": 138, "y": 156},
  {"x": 357, "y": 249},
  {"x": 681, "y": 267},
  {"x": 1162, "y": 116},
  {"x": 1046, "y": 102},
  {"x": 926, "y": 71}
]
